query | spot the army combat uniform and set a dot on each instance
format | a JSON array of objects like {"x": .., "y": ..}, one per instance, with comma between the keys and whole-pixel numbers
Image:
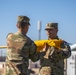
[
  {"x": 52, "y": 62},
  {"x": 20, "y": 49}
]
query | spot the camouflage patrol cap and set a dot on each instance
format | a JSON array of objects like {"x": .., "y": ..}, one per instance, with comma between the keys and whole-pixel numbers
[
  {"x": 24, "y": 19},
  {"x": 51, "y": 26}
]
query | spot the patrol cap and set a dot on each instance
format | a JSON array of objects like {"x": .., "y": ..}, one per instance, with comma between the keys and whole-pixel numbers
[
  {"x": 23, "y": 19},
  {"x": 51, "y": 26}
]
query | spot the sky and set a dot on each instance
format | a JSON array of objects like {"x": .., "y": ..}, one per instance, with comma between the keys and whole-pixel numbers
[{"x": 61, "y": 11}]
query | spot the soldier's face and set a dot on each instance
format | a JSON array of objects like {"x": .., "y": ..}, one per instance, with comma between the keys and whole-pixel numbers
[
  {"x": 52, "y": 33},
  {"x": 25, "y": 29}
]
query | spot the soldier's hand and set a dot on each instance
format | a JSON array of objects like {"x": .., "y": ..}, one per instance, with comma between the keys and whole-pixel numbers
[{"x": 45, "y": 47}]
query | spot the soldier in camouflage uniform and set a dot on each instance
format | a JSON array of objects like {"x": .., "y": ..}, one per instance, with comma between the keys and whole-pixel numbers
[
  {"x": 52, "y": 60},
  {"x": 20, "y": 48}
]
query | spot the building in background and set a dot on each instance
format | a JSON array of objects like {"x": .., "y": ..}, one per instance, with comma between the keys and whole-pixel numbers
[{"x": 71, "y": 62}]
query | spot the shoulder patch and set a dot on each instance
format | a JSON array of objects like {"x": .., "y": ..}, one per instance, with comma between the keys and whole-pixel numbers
[{"x": 14, "y": 41}]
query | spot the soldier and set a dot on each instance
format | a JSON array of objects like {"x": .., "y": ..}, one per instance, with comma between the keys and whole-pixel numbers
[
  {"x": 20, "y": 49},
  {"x": 52, "y": 61}
]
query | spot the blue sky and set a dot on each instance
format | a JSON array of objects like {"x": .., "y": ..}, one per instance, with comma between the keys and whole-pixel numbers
[{"x": 61, "y": 11}]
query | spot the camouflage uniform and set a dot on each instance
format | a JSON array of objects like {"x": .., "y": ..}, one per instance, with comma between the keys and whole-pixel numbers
[
  {"x": 52, "y": 61},
  {"x": 20, "y": 49}
]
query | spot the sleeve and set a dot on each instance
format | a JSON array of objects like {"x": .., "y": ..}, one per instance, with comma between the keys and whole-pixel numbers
[
  {"x": 65, "y": 51},
  {"x": 33, "y": 54},
  {"x": 56, "y": 54}
]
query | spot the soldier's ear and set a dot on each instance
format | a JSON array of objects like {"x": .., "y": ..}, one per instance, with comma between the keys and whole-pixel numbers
[
  {"x": 18, "y": 26},
  {"x": 56, "y": 30}
]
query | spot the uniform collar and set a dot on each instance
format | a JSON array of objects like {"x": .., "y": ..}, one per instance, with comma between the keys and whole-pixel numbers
[
  {"x": 55, "y": 38},
  {"x": 20, "y": 33}
]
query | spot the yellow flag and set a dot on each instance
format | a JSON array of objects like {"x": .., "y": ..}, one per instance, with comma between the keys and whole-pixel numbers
[{"x": 41, "y": 43}]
